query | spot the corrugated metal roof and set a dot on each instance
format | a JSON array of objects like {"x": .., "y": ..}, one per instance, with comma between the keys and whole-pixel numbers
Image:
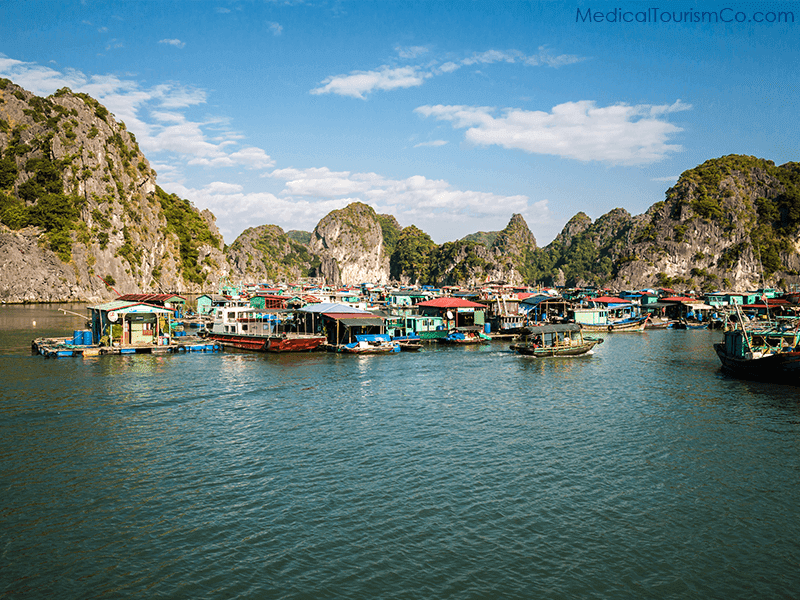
[
  {"x": 451, "y": 303},
  {"x": 332, "y": 307},
  {"x": 151, "y": 298},
  {"x": 123, "y": 306},
  {"x": 361, "y": 322}
]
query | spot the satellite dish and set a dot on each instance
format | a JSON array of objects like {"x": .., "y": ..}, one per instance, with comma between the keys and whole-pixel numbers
[
  {"x": 112, "y": 316},
  {"x": 449, "y": 314}
]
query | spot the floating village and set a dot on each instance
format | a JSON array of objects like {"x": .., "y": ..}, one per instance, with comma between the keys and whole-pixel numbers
[{"x": 761, "y": 327}]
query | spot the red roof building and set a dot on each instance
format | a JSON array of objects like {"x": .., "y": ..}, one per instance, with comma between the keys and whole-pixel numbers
[{"x": 450, "y": 303}]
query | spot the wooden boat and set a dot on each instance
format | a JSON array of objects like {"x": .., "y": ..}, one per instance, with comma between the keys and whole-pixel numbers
[
  {"x": 555, "y": 340},
  {"x": 684, "y": 324},
  {"x": 466, "y": 336},
  {"x": 623, "y": 326},
  {"x": 765, "y": 351},
  {"x": 251, "y": 329},
  {"x": 659, "y": 324},
  {"x": 379, "y": 343}
]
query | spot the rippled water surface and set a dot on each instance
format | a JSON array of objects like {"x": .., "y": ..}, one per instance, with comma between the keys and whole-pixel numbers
[{"x": 640, "y": 471}]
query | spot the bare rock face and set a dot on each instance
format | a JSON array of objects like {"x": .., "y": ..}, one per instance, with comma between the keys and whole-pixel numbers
[
  {"x": 79, "y": 203},
  {"x": 350, "y": 245}
]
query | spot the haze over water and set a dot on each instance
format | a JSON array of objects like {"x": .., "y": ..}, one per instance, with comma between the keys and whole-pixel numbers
[{"x": 640, "y": 471}]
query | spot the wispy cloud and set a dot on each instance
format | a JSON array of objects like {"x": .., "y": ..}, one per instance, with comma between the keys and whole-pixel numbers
[
  {"x": 358, "y": 84},
  {"x": 173, "y": 42},
  {"x": 667, "y": 179},
  {"x": 410, "y": 51},
  {"x": 433, "y": 143},
  {"x": 275, "y": 28},
  {"x": 618, "y": 134}
]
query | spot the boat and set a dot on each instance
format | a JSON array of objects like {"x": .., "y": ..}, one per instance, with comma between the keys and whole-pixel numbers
[
  {"x": 379, "y": 343},
  {"x": 565, "y": 339},
  {"x": 767, "y": 351},
  {"x": 684, "y": 324},
  {"x": 634, "y": 324},
  {"x": 260, "y": 331},
  {"x": 409, "y": 343},
  {"x": 465, "y": 336}
]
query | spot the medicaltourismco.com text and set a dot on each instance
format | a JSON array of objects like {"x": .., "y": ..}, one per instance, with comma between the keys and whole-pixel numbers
[{"x": 657, "y": 15}]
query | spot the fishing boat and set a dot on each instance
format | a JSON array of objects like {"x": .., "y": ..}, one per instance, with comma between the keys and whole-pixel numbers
[
  {"x": 465, "y": 336},
  {"x": 409, "y": 343},
  {"x": 634, "y": 324},
  {"x": 564, "y": 339},
  {"x": 259, "y": 331},
  {"x": 379, "y": 343},
  {"x": 767, "y": 351}
]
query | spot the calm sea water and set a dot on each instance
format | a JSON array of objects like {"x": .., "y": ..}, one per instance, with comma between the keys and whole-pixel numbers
[{"x": 640, "y": 471}]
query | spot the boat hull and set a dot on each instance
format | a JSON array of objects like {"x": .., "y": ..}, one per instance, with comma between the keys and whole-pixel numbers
[
  {"x": 543, "y": 352},
  {"x": 634, "y": 326},
  {"x": 782, "y": 367},
  {"x": 276, "y": 343}
]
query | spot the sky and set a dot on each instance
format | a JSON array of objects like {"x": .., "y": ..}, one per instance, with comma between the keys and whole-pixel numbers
[{"x": 451, "y": 116}]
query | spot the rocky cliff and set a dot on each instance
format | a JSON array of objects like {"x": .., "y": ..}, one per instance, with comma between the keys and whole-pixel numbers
[
  {"x": 350, "y": 246},
  {"x": 266, "y": 253},
  {"x": 732, "y": 222},
  {"x": 80, "y": 214},
  {"x": 79, "y": 202}
]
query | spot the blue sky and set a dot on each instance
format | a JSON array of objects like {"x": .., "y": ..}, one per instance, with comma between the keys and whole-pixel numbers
[{"x": 451, "y": 116}]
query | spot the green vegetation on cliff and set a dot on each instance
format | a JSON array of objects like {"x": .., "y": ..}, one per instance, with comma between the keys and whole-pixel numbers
[
  {"x": 40, "y": 201},
  {"x": 411, "y": 257},
  {"x": 192, "y": 230}
]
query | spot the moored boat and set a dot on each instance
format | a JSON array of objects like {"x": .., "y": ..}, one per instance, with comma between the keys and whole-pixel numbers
[
  {"x": 767, "y": 352},
  {"x": 259, "y": 331},
  {"x": 555, "y": 340},
  {"x": 370, "y": 344},
  {"x": 622, "y": 326},
  {"x": 465, "y": 336}
]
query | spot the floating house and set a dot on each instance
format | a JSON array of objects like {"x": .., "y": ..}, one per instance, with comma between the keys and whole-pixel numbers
[
  {"x": 544, "y": 308},
  {"x": 168, "y": 301},
  {"x": 128, "y": 323},
  {"x": 208, "y": 303},
  {"x": 340, "y": 323},
  {"x": 456, "y": 313},
  {"x": 424, "y": 327}
]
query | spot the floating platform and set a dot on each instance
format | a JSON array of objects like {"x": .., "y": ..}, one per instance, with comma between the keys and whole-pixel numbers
[{"x": 63, "y": 347}]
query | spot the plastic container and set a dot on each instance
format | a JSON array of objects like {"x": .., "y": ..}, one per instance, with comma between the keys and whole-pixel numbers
[
  {"x": 487, "y": 328},
  {"x": 77, "y": 337},
  {"x": 87, "y": 337}
]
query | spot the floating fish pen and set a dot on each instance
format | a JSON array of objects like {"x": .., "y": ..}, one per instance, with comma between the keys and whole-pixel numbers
[{"x": 65, "y": 347}]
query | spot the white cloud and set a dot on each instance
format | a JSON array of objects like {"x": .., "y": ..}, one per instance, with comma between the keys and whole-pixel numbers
[
  {"x": 433, "y": 143},
  {"x": 618, "y": 134},
  {"x": 410, "y": 51},
  {"x": 358, "y": 83},
  {"x": 668, "y": 178},
  {"x": 176, "y": 43},
  {"x": 275, "y": 28}
]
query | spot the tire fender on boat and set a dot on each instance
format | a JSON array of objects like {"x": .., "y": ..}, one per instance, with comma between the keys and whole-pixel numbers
[{"x": 611, "y": 328}]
